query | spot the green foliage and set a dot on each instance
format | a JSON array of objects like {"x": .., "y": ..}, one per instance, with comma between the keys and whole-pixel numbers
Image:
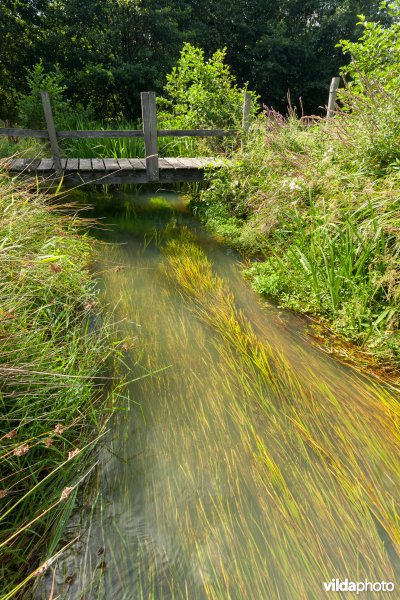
[
  {"x": 323, "y": 230},
  {"x": 202, "y": 93},
  {"x": 323, "y": 202},
  {"x": 30, "y": 105},
  {"x": 23, "y": 147},
  {"x": 22, "y": 26},
  {"x": 373, "y": 134},
  {"x": 111, "y": 50},
  {"x": 376, "y": 54},
  {"x": 334, "y": 268}
]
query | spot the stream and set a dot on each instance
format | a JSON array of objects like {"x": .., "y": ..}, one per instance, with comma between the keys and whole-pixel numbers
[{"x": 252, "y": 473}]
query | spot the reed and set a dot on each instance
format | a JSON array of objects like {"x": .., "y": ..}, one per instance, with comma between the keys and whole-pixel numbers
[
  {"x": 127, "y": 147},
  {"x": 55, "y": 355}
]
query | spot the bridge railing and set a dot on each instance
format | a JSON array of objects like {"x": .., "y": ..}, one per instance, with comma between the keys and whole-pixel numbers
[{"x": 149, "y": 132}]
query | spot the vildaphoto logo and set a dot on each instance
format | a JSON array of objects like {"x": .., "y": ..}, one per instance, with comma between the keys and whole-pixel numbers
[{"x": 336, "y": 585}]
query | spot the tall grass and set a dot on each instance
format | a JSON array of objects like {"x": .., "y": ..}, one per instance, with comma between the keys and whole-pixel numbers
[
  {"x": 318, "y": 206},
  {"x": 23, "y": 148},
  {"x": 134, "y": 147},
  {"x": 55, "y": 358}
]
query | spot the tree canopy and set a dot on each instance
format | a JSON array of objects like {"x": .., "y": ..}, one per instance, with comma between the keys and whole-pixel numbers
[{"x": 108, "y": 51}]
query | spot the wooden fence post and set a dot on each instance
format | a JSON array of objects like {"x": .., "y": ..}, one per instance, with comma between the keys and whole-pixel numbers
[
  {"x": 246, "y": 117},
  {"x": 149, "y": 117},
  {"x": 55, "y": 150},
  {"x": 246, "y": 112},
  {"x": 332, "y": 96}
]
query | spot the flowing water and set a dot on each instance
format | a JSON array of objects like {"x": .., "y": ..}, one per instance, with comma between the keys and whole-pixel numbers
[{"x": 246, "y": 463}]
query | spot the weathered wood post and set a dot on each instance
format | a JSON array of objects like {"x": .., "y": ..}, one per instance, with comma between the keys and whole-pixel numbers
[
  {"x": 332, "y": 96},
  {"x": 149, "y": 117},
  {"x": 246, "y": 112},
  {"x": 246, "y": 117},
  {"x": 55, "y": 150}
]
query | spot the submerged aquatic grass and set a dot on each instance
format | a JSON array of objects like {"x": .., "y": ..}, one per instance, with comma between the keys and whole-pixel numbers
[
  {"x": 326, "y": 471},
  {"x": 252, "y": 465}
]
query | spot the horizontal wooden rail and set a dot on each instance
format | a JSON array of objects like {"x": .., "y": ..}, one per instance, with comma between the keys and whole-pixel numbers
[
  {"x": 196, "y": 132},
  {"x": 99, "y": 133},
  {"x": 115, "y": 133},
  {"x": 24, "y": 133}
]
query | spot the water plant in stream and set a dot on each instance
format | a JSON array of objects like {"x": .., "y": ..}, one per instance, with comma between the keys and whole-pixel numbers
[
  {"x": 325, "y": 471},
  {"x": 249, "y": 465}
]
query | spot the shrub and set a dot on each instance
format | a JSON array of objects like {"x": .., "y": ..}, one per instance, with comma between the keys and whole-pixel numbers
[
  {"x": 30, "y": 105},
  {"x": 203, "y": 93},
  {"x": 375, "y": 56}
]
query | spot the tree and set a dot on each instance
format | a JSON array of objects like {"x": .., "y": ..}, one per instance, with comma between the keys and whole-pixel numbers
[
  {"x": 203, "y": 93},
  {"x": 282, "y": 46},
  {"x": 376, "y": 54},
  {"x": 108, "y": 51},
  {"x": 21, "y": 23}
]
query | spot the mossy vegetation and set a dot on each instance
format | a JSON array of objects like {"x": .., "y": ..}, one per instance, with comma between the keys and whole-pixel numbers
[{"x": 56, "y": 356}]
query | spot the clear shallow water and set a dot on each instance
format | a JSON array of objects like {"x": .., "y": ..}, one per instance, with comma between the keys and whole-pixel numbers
[{"x": 214, "y": 483}]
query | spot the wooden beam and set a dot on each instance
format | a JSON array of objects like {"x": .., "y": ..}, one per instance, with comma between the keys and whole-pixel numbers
[
  {"x": 332, "y": 96},
  {"x": 196, "y": 132},
  {"x": 124, "y": 163},
  {"x": 24, "y": 133},
  {"x": 98, "y": 164},
  {"x": 149, "y": 117},
  {"x": 137, "y": 164},
  {"x": 85, "y": 165},
  {"x": 112, "y": 171},
  {"x": 72, "y": 164},
  {"x": 46, "y": 164},
  {"x": 111, "y": 164},
  {"x": 246, "y": 112},
  {"x": 115, "y": 133},
  {"x": 100, "y": 133},
  {"x": 51, "y": 130}
]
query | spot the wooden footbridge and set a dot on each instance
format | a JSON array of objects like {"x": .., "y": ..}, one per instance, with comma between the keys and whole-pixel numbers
[{"x": 103, "y": 171}]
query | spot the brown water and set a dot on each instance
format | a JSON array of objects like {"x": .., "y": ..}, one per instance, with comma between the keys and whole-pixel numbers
[{"x": 216, "y": 482}]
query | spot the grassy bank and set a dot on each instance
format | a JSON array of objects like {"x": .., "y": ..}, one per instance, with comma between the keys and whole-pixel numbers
[
  {"x": 316, "y": 207},
  {"x": 54, "y": 355}
]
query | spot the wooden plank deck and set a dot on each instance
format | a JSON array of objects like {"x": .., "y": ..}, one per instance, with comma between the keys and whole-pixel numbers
[{"x": 110, "y": 170}]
